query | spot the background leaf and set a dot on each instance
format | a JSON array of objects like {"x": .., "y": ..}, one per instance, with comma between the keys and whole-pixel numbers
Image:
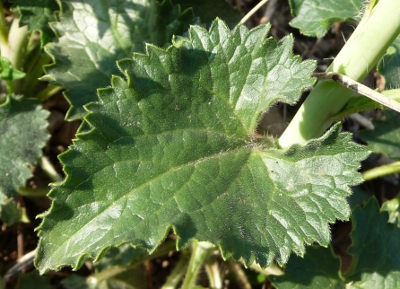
[
  {"x": 33, "y": 280},
  {"x": 315, "y": 17},
  {"x": 389, "y": 65},
  {"x": 10, "y": 213},
  {"x": 39, "y": 15},
  {"x": 318, "y": 269},
  {"x": 173, "y": 147},
  {"x": 23, "y": 135},
  {"x": 94, "y": 35},
  {"x": 375, "y": 249},
  {"x": 385, "y": 137}
]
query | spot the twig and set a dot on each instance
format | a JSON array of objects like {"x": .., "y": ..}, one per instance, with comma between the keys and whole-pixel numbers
[
  {"x": 22, "y": 263},
  {"x": 359, "y": 88},
  {"x": 252, "y": 11}
]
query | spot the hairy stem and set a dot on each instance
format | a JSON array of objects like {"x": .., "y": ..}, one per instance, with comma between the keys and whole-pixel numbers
[{"x": 374, "y": 34}]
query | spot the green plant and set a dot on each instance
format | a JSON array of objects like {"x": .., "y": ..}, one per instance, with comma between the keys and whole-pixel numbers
[{"x": 171, "y": 146}]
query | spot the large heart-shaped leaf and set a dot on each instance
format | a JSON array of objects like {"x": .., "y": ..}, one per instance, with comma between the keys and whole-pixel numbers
[{"x": 173, "y": 147}]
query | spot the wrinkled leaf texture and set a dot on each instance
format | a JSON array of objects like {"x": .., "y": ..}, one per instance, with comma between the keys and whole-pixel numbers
[
  {"x": 93, "y": 35},
  {"x": 173, "y": 147}
]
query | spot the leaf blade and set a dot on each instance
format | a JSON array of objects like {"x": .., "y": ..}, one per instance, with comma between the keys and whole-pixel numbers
[{"x": 170, "y": 149}]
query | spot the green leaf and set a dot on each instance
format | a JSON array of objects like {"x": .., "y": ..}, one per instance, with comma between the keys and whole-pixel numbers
[
  {"x": 173, "y": 147},
  {"x": 39, "y": 15},
  {"x": 8, "y": 72},
  {"x": 10, "y": 213},
  {"x": 385, "y": 137},
  {"x": 93, "y": 35},
  {"x": 318, "y": 269},
  {"x": 23, "y": 135},
  {"x": 208, "y": 10},
  {"x": 375, "y": 250},
  {"x": 393, "y": 208},
  {"x": 389, "y": 65},
  {"x": 314, "y": 17}
]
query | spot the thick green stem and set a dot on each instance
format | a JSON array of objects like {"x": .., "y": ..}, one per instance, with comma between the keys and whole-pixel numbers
[
  {"x": 374, "y": 34},
  {"x": 200, "y": 251},
  {"x": 381, "y": 171}
]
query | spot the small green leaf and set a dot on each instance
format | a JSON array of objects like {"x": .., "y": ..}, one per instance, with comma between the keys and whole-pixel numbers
[
  {"x": 393, "y": 208},
  {"x": 23, "y": 135},
  {"x": 389, "y": 65},
  {"x": 208, "y": 10},
  {"x": 173, "y": 147},
  {"x": 318, "y": 269},
  {"x": 8, "y": 72},
  {"x": 385, "y": 138},
  {"x": 314, "y": 17},
  {"x": 375, "y": 250},
  {"x": 94, "y": 35}
]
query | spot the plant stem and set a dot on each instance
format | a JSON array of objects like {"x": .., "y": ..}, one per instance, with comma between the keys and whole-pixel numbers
[
  {"x": 374, "y": 34},
  {"x": 381, "y": 171},
  {"x": 17, "y": 42},
  {"x": 29, "y": 192},
  {"x": 3, "y": 27},
  {"x": 200, "y": 251},
  {"x": 178, "y": 272},
  {"x": 238, "y": 274},
  {"x": 49, "y": 169},
  {"x": 48, "y": 92},
  {"x": 213, "y": 272}
]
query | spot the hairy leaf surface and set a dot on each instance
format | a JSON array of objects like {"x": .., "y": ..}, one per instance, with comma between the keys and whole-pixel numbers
[
  {"x": 385, "y": 137},
  {"x": 173, "y": 147},
  {"x": 94, "y": 35},
  {"x": 315, "y": 17},
  {"x": 23, "y": 135},
  {"x": 375, "y": 249}
]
